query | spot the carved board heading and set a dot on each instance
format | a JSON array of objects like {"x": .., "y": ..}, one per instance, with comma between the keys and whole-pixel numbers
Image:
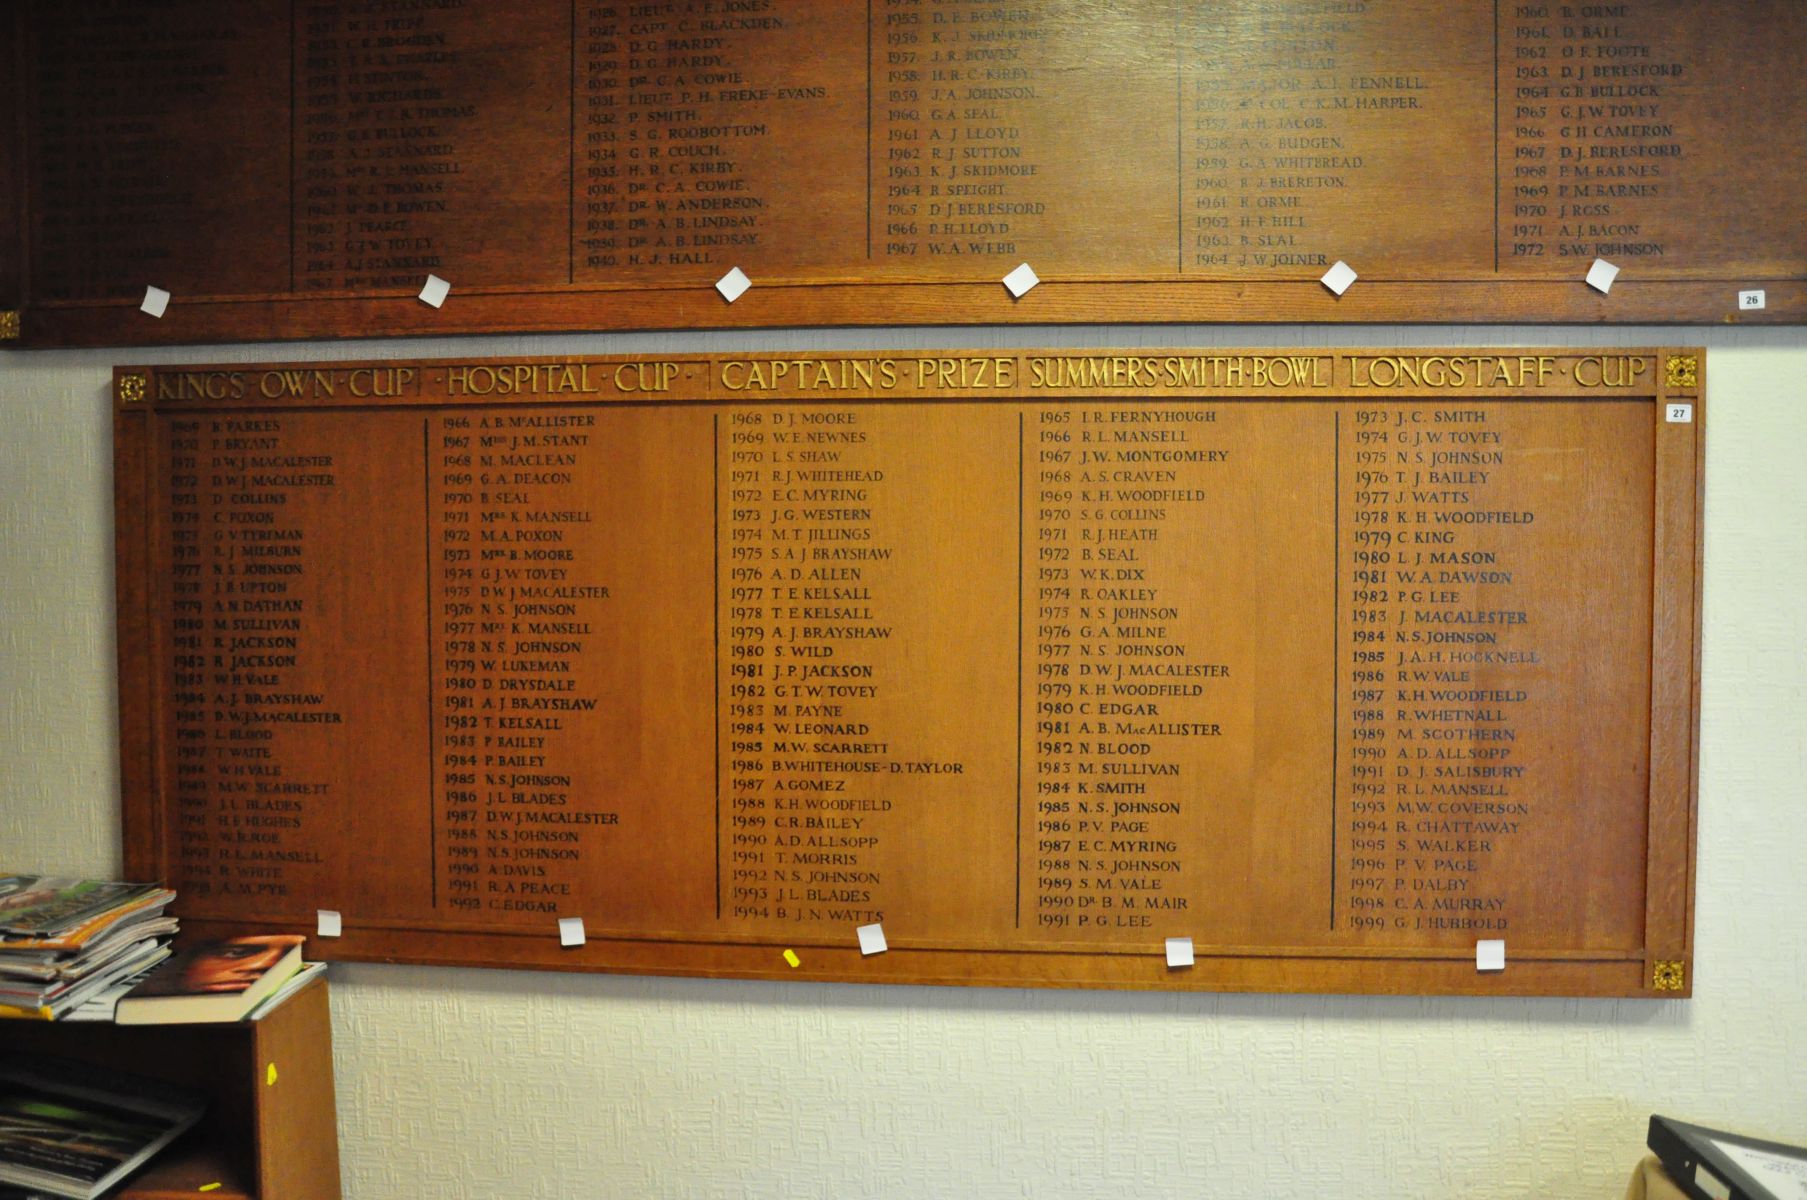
[
  {"x": 1335, "y": 662},
  {"x": 298, "y": 171}
]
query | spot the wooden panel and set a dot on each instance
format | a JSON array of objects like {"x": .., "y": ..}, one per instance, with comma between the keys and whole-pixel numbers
[
  {"x": 297, "y": 1117},
  {"x": 296, "y": 171},
  {"x": 257, "y": 1140},
  {"x": 1334, "y": 662},
  {"x": 12, "y": 177}
]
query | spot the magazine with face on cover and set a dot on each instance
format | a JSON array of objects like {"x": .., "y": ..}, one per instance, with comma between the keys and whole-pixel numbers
[{"x": 213, "y": 980}]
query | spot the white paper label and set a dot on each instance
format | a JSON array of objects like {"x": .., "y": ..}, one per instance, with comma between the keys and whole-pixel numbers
[
  {"x": 326, "y": 923},
  {"x": 1752, "y": 299},
  {"x": 1785, "y": 1176},
  {"x": 155, "y": 301},
  {"x": 1339, "y": 277},
  {"x": 1679, "y": 414},
  {"x": 1021, "y": 280},
  {"x": 435, "y": 291},
  {"x": 1490, "y": 955},
  {"x": 1179, "y": 952},
  {"x": 1600, "y": 276},
  {"x": 733, "y": 285},
  {"x": 872, "y": 939},
  {"x": 1710, "y": 1183},
  {"x": 570, "y": 931}
]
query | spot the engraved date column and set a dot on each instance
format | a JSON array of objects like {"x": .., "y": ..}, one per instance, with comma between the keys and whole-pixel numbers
[
  {"x": 193, "y": 753},
  {"x": 454, "y": 621}
]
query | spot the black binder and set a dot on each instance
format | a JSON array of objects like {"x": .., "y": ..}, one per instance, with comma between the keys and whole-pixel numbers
[{"x": 1708, "y": 1164}]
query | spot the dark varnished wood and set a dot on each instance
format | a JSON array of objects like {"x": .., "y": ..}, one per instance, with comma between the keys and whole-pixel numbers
[{"x": 571, "y": 166}]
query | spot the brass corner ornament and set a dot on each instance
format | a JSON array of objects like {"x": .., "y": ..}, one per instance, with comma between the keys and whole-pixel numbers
[
  {"x": 9, "y": 325},
  {"x": 131, "y": 388},
  {"x": 1684, "y": 371},
  {"x": 1666, "y": 975}
]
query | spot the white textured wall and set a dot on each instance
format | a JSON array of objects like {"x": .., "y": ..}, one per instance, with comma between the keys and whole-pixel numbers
[{"x": 481, "y": 1084}]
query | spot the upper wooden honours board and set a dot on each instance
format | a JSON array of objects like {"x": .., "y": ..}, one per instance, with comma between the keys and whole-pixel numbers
[
  {"x": 1335, "y": 662},
  {"x": 298, "y": 169}
]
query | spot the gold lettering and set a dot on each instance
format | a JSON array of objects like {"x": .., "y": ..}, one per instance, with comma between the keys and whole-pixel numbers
[
  {"x": 646, "y": 376},
  {"x": 201, "y": 385},
  {"x": 1446, "y": 371},
  {"x": 281, "y": 383},
  {"x": 392, "y": 381},
  {"x": 1185, "y": 372},
  {"x": 1610, "y": 370}
]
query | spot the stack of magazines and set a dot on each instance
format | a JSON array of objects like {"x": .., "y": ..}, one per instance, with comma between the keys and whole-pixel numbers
[
  {"x": 66, "y": 942},
  {"x": 73, "y": 1129}
]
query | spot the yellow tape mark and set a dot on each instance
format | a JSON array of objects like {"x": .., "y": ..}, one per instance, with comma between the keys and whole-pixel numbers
[
  {"x": 270, "y": 1076},
  {"x": 210, "y": 1187},
  {"x": 790, "y": 956}
]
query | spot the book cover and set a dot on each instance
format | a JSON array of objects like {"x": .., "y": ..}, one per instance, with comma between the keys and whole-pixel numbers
[
  {"x": 213, "y": 980},
  {"x": 75, "y": 1130}
]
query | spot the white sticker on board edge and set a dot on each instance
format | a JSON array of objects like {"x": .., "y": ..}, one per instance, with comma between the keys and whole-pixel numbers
[
  {"x": 1021, "y": 280},
  {"x": 1339, "y": 277},
  {"x": 733, "y": 285}
]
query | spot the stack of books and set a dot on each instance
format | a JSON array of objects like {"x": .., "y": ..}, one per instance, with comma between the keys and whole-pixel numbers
[
  {"x": 233, "y": 979},
  {"x": 65, "y": 942}
]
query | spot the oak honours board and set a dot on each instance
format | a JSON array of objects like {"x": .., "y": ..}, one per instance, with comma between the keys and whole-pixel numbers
[
  {"x": 1335, "y": 662},
  {"x": 297, "y": 170}
]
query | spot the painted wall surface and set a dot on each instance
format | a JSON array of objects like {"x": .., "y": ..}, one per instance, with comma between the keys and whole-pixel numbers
[{"x": 482, "y": 1084}]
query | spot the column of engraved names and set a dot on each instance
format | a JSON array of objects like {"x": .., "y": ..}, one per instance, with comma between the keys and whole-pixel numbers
[
  {"x": 1269, "y": 127},
  {"x": 1122, "y": 696},
  {"x": 260, "y": 683},
  {"x": 1590, "y": 152},
  {"x": 101, "y": 169},
  {"x": 517, "y": 608},
  {"x": 1299, "y": 123},
  {"x": 128, "y": 136},
  {"x": 377, "y": 132},
  {"x": 957, "y": 173},
  {"x": 1436, "y": 771},
  {"x": 805, "y": 576},
  {"x": 677, "y": 104}
]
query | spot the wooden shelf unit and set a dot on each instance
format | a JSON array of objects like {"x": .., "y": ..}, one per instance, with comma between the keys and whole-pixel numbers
[{"x": 261, "y": 1139}]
